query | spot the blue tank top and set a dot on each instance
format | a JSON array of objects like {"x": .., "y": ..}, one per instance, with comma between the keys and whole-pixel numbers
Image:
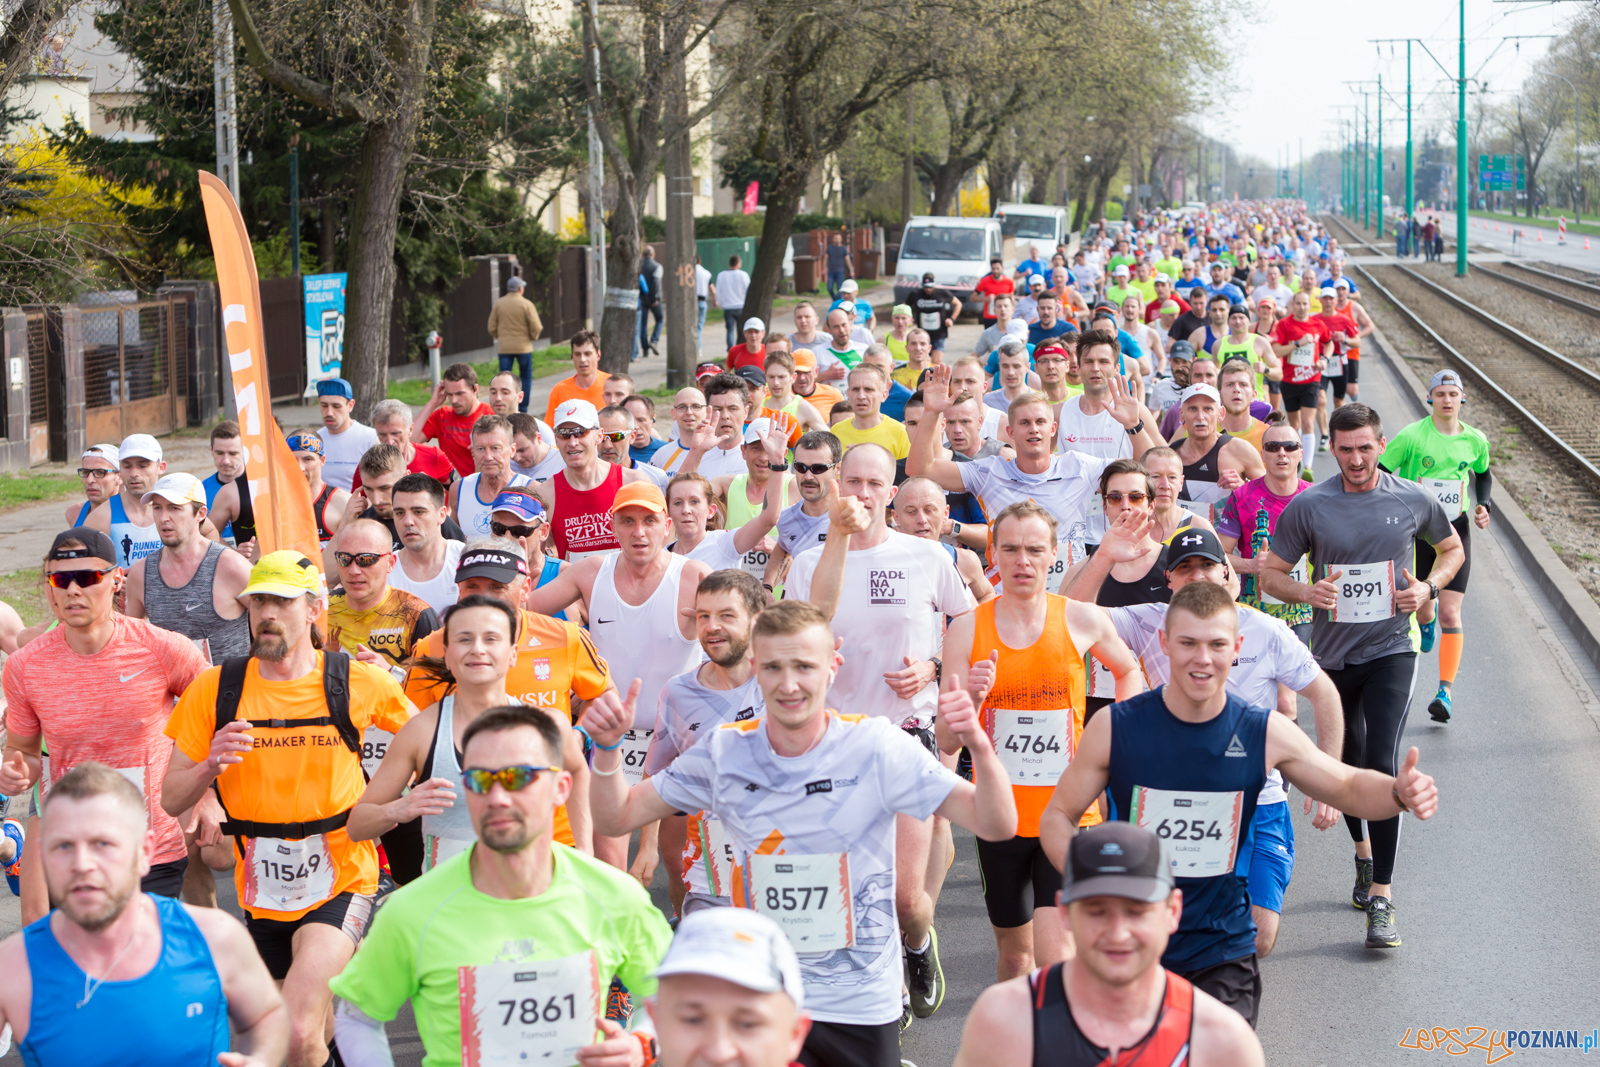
[
  {"x": 213, "y": 487},
  {"x": 175, "y": 1014},
  {"x": 547, "y": 573},
  {"x": 1153, "y": 750},
  {"x": 133, "y": 542},
  {"x": 83, "y": 513}
]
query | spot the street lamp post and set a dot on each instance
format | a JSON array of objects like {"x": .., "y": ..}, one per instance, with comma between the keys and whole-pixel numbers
[{"x": 1461, "y": 149}]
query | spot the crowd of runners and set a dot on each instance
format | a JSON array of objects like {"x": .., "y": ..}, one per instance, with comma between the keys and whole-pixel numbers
[{"x": 1064, "y": 590}]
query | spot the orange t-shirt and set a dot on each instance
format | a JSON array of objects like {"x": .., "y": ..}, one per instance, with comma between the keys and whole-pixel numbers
[
  {"x": 567, "y": 389},
  {"x": 294, "y": 774},
  {"x": 823, "y": 398},
  {"x": 110, "y": 707},
  {"x": 556, "y": 661}
]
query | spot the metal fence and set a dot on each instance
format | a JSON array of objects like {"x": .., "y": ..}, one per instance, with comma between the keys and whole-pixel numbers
[{"x": 136, "y": 364}]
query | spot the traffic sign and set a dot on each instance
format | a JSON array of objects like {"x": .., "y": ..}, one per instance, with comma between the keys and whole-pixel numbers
[{"x": 1497, "y": 172}]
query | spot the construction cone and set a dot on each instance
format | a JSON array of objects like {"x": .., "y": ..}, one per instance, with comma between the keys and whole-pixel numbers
[
  {"x": 1562, "y": 233},
  {"x": 1586, "y": 242},
  {"x": 1540, "y": 233}
]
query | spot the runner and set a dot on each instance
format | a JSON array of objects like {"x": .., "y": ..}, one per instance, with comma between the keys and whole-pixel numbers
[
  {"x": 227, "y": 455},
  {"x": 328, "y": 501},
  {"x": 780, "y": 374},
  {"x": 1357, "y": 314},
  {"x": 730, "y": 981},
  {"x": 587, "y": 382},
  {"x": 450, "y": 414},
  {"x": 1360, "y": 530},
  {"x": 579, "y": 499},
  {"x": 364, "y": 612},
  {"x": 934, "y": 311},
  {"x": 1214, "y": 462},
  {"x": 805, "y": 328},
  {"x": 343, "y": 438},
  {"x": 742, "y": 540},
  {"x": 45, "y": 683},
  {"x": 991, "y": 286},
  {"x": 805, "y": 525},
  {"x": 1161, "y": 755},
  {"x": 616, "y": 430},
  {"x": 117, "y": 976},
  {"x": 1093, "y": 424},
  {"x": 922, "y": 510},
  {"x": 688, "y": 412},
  {"x": 1450, "y": 460},
  {"x": 101, "y": 478},
  {"x": 517, "y": 918},
  {"x": 425, "y": 563},
  {"x": 391, "y": 421},
  {"x": 1005, "y": 310},
  {"x": 808, "y": 766},
  {"x": 1112, "y": 1002},
  {"x": 887, "y": 595},
  {"x": 722, "y": 689},
  {"x": 842, "y": 351},
  {"x": 1303, "y": 342},
  {"x": 1207, "y": 337},
  {"x": 306, "y": 888},
  {"x": 808, "y": 384},
  {"x": 472, "y": 497},
  {"x": 1255, "y": 350},
  {"x": 715, "y": 447},
  {"x": 1021, "y": 657},
  {"x": 868, "y": 385},
  {"x": 1247, "y": 522},
  {"x": 125, "y": 518},
  {"x": 506, "y": 396},
  {"x": 533, "y": 453}
]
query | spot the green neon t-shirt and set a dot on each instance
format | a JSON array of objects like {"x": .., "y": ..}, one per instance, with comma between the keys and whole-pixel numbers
[
  {"x": 1421, "y": 452},
  {"x": 427, "y": 931}
]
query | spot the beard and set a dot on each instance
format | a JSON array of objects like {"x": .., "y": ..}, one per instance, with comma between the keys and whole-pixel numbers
[
  {"x": 270, "y": 645},
  {"x": 96, "y": 919},
  {"x": 738, "y": 648},
  {"x": 507, "y": 839}
]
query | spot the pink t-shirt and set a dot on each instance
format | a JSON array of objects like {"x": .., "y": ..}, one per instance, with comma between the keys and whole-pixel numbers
[{"x": 111, "y": 707}]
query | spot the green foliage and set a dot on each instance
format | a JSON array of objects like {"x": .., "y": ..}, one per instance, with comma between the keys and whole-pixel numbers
[
  {"x": 707, "y": 227},
  {"x": 653, "y": 228},
  {"x": 812, "y": 220}
]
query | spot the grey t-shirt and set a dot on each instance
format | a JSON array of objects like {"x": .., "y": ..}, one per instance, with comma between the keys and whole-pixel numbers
[{"x": 1337, "y": 528}]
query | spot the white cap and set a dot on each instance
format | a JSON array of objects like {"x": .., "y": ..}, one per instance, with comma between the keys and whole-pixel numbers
[
  {"x": 1036, "y": 279},
  {"x": 107, "y": 453},
  {"x": 1121, "y": 268},
  {"x": 578, "y": 412},
  {"x": 758, "y": 429},
  {"x": 1199, "y": 389},
  {"x": 849, "y": 286},
  {"x": 178, "y": 488},
  {"x": 1162, "y": 277},
  {"x": 1342, "y": 283},
  {"x": 738, "y": 945},
  {"x": 1017, "y": 328},
  {"x": 141, "y": 445},
  {"x": 754, "y": 324}
]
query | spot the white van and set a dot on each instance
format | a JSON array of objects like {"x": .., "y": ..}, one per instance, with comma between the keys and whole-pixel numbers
[
  {"x": 1022, "y": 225},
  {"x": 956, "y": 251}
]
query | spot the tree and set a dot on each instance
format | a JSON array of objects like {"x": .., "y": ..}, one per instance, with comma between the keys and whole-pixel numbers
[{"x": 1532, "y": 121}]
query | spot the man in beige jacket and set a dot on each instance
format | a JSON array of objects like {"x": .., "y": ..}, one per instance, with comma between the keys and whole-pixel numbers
[{"x": 514, "y": 324}]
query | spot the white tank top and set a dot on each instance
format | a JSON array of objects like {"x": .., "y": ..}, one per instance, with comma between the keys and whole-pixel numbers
[
  {"x": 1101, "y": 436},
  {"x": 472, "y": 513},
  {"x": 450, "y": 832},
  {"x": 642, "y": 642},
  {"x": 438, "y": 592}
]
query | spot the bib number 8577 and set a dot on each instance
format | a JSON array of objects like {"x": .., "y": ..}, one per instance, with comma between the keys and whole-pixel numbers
[
  {"x": 529, "y": 1012},
  {"x": 796, "y": 898}
]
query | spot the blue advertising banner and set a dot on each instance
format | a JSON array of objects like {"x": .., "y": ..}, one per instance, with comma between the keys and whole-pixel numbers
[{"x": 324, "y": 303}]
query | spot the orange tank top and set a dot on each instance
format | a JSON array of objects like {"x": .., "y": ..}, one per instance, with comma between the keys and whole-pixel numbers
[{"x": 1046, "y": 677}]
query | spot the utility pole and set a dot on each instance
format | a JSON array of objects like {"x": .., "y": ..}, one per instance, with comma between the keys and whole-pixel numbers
[
  {"x": 597, "y": 194},
  {"x": 226, "y": 104},
  {"x": 1461, "y": 149},
  {"x": 1380, "y": 157},
  {"x": 294, "y": 205},
  {"x": 678, "y": 284},
  {"x": 908, "y": 176},
  {"x": 1366, "y": 163},
  {"x": 1577, "y": 153},
  {"x": 1300, "y": 182},
  {"x": 1411, "y": 185}
]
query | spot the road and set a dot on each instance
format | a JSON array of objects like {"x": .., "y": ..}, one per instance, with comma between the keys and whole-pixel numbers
[
  {"x": 1571, "y": 254},
  {"x": 1494, "y": 895}
]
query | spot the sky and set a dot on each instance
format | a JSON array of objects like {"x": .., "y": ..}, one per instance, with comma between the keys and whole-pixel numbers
[{"x": 1347, "y": 54}]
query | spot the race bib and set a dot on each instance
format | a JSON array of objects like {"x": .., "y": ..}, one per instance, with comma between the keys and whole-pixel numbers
[
  {"x": 635, "y": 743},
  {"x": 1334, "y": 367},
  {"x": 715, "y": 862},
  {"x": 1304, "y": 354},
  {"x": 1204, "y": 509},
  {"x": 1298, "y": 572},
  {"x": 1102, "y": 683},
  {"x": 807, "y": 895},
  {"x": 134, "y": 775},
  {"x": 1450, "y": 493},
  {"x": 374, "y": 743},
  {"x": 754, "y": 563},
  {"x": 1366, "y": 592},
  {"x": 1034, "y": 746},
  {"x": 1200, "y": 830},
  {"x": 287, "y": 875},
  {"x": 930, "y": 320},
  {"x": 436, "y": 849},
  {"x": 1068, "y": 552},
  {"x": 530, "y": 1012}
]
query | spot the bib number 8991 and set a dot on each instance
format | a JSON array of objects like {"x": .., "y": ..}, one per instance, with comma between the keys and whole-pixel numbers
[
  {"x": 1188, "y": 830},
  {"x": 1361, "y": 589},
  {"x": 796, "y": 898},
  {"x": 529, "y": 1012}
]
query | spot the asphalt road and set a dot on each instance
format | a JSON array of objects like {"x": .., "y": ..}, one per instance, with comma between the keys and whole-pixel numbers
[{"x": 1501, "y": 926}]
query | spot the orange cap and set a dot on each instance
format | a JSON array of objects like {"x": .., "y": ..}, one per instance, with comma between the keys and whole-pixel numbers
[
  {"x": 639, "y": 495},
  {"x": 804, "y": 359}
]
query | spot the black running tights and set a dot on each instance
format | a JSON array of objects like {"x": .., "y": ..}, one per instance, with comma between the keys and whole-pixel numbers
[{"x": 1376, "y": 696}]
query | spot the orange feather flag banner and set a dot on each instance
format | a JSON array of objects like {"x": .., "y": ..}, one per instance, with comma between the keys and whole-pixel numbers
[{"x": 279, "y": 495}]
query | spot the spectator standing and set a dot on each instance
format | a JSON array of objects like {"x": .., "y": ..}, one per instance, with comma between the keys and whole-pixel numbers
[
  {"x": 702, "y": 290},
  {"x": 840, "y": 265},
  {"x": 730, "y": 288},
  {"x": 514, "y": 324}
]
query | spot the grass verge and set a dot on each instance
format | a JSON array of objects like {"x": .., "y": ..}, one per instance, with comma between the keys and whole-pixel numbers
[
  {"x": 416, "y": 391},
  {"x": 23, "y": 591},
  {"x": 1543, "y": 222},
  {"x": 28, "y": 487}
]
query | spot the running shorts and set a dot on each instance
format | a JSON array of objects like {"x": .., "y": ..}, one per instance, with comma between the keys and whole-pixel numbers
[
  {"x": 1426, "y": 555},
  {"x": 1303, "y": 395},
  {"x": 346, "y": 912},
  {"x": 1272, "y": 855},
  {"x": 1017, "y": 879}
]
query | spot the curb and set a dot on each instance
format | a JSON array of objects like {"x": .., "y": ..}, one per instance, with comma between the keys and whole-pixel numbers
[{"x": 1572, "y": 602}]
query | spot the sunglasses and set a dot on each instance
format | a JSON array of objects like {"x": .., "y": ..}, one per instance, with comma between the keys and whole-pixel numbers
[
  {"x": 512, "y": 779},
  {"x": 571, "y": 431},
  {"x": 813, "y": 468},
  {"x": 96, "y": 473},
  {"x": 1280, "y": 446},
  {"x": 360, "y": 559},
  {"x": 83, "y": 579},
  {"x": 500, "y": 529},
  {"x": 1132, "y": 498},
  {"x": 618, "y": 436}
]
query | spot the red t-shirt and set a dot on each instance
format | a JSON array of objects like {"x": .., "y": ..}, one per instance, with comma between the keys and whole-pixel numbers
[
  {"x": 1153, "y": 309},
  {"x": 454, "y": 434},
  {"x": 427, "y": 460},
  {"x": 1339, "y": 322},
  {"x": 990, "y": 287},
  {"x": 1312, "y": 334},
  {"x": 742, "y": 355}
]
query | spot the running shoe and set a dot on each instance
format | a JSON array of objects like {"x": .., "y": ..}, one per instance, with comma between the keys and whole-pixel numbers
[
  {"x": 925, "y": 978},
  {"x": 1380, "y": 924},
  {"x": 1307, "y": 475},
  {"x": 905, "y": 1013},
  {"x": 1322, "y": 443},
  {"x": 619, "y": 1004},
  {"x": 1439, "y": 710},
  {"x": 1362, "y": 893},
  {"x": 1429, "y": 629},
  {"x": 13, "y": 870}
]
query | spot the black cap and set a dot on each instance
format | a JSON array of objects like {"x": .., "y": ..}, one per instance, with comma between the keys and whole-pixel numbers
[
  {"x": 490, "y": 563},
  {"x": 753, "y": 375},
  {"x": 1180, "y": 350},
  {"x": 95, "y": 545},
  {"x": 1238, "y": 309},
  {"x": 1116, "y": 859},
  {"x": 1194, "y": 542},
  {"x": 927, "y": 279}
]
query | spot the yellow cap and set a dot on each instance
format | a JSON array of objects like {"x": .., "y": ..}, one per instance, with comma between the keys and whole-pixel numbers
[{"x": 286, "y": 574}]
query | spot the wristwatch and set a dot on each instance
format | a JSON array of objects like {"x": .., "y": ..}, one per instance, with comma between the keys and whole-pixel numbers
[
  {"x": 1434, "y": 595},
  {"x": 779, "y": 467},
  {"x": 1133, "y": 430},
  {"x": 955, "y": 528},
  {"x": 938, "y": 670}
]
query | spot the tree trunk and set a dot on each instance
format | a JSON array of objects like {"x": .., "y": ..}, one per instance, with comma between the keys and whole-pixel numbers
[
  {"x": 678, "y": 287},
  {"x": 1038, "y": 184},
  {"x": 783, "y": 204},
  {"x": 1102, "y": 186},
  {"x": 620, "y": 324},
  {"x": 947, "y": 186},
  {"x": 374, "y": 218}
]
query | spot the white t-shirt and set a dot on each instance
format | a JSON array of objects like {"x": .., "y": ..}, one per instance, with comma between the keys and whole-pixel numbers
[
  {"x": 654, "y": 473},
  {"x": 732, "y": 285},
  {"x": 826, "y": 353},
  {"x": 1280, "y": 296},
  {"x": 551, "y": 465},
  {"x": 438, "y": 592},
  {"x": 342, "y": 452},
  {"x": 1101, "y": 436},
  {"x": 1066, "y": 490},
  {"x": 1271, "y": 653},
  {"x": 892, "y": 605},
  {"x": 702, "y": 281},
  {"x": 714, "y": 464},
  {"x": 993, "y": 419},
  {"x": 836, "y": 803},
  {"x": 716, "y": 551}
]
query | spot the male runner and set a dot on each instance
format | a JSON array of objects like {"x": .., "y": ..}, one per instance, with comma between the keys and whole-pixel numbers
[
  {"x": 125, "y": 518},
  {"x": 381, "y": 469},
  {"x": 1303, "y": 342},
  {"x": 137, "y": 667},
  {"x": 1246, "y": 523},
  {"x": 114, "y": 975},
  {"x": 1361, "y": 529},
  {"x": 779, "y": 369},
  {"x": 805, "y": 525},
  {"x": 722, "y": 689},
  {"x": 1450, "y": 460},
  {"x": 922, "y": 510},
  {"x": 579, "y": 499},
  {"x": 645, "y": 443},
  {"x": 533, "y": 450},
  {"x": 1214, "y": 463},
  {"x": 1011, "y": 373},
  {"x": 688, "y": 412},
  {"x": 365, "y": 612},
  {"x": 1352, "y": 355},
  {"x": 1254, "y": 349},
  {"x": 587, "y": 381},
  {"x": 716, "y": 446},
  {"x": 505, "y": 394},
  {"x": 450, "y": 414},
  {"x": 868, "y": 385},
  {"x": 1112, "y": 1002},
  {"x": 1206, "y": 338},
  {"x": 1021, "y": 657},
  {"x": 1163, "y": 755},
  {"x": 809, "y": 386},
  {"x": 280, "y": 739},
  {"x": 886, "y": 595},
  {"x": 1093, "y": 424},
  {"x": 809, "y": 798},
  {"x": 616, "y": 430},
  {"x": 99, "y": 472},
  {"x": 842, "y": 352},
  {"x": 473, "y": 496},
  {"x": 517, "y": 920},
  {"x": 227, "y": 455},
  {"x": 391, "y": 420},
  {"x": 343, "y": 438},
  {"x": 328, "y": 501}
]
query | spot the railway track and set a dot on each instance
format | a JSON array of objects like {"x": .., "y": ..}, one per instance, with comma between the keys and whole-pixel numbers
[
  {"x": 1550, "y": 394},
  {"x": 1582, "y": 296}
]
